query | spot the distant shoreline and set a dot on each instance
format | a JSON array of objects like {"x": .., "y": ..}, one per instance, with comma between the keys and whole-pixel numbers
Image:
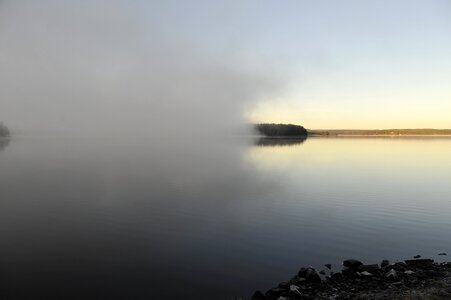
[
  {"x": 381, "y": 135},
  {"x": 381, "y": 132}
]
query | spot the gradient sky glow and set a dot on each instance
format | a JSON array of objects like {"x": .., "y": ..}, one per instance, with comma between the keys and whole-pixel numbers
[
  {"x": 363, "y": 64},
  {"x": 319, "y": 63}
]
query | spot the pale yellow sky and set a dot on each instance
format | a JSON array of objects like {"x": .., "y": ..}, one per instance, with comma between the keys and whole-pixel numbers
[{"x": 352, "y": 100}]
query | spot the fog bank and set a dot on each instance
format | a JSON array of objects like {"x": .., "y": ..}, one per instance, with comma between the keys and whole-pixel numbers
[{"x": 120, "y": 68}]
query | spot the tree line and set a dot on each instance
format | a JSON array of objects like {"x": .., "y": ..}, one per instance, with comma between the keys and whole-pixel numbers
[{"x": 269, "y": 129}]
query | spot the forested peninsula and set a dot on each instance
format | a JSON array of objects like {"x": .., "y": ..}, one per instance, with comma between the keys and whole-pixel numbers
[
  {"x": 291, "y": 130},
  {"x": 280, "y": 130}
]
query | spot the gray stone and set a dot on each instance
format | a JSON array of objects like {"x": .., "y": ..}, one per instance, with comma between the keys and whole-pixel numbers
[
  {"x": 258, "y": 296},
  {"x": 420, "y": 262},
  {"x": 368, "y": 268},
  {"x": 352, "y": 263},
  {"x": 391, "y": 275},
  {"x": 385, "y": 263},
  {"x": 295, "y": 290},
  {"x": 310, "y": 275},
  {"x": 336, "y": 276}
]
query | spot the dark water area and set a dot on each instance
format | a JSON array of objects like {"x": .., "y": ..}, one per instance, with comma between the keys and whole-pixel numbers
[{"x": 211, "y": 218}]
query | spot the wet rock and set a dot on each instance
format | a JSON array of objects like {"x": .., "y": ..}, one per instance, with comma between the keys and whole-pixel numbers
[
  {"x": 385, "y": 263},
  {"x": 368, "y": 268},
  {"x": 417, "y": 256},
  {"x": 352, "y": 263},
  {"x": 329, "y": 266},
  {"x": 294, "y": 290},
  {"x": 443, "y": 253},
  {"x": 419, "y": 277},
  {"x": 400, "y": 266},
  {"x": 285, "y": 285},
  {"x": 258, "y": 296},
  {"x": 348, "y": 272},
  {"x": 322, "y": 272},
  {"x": 336, "y": 276},
  {"x": 420, "y": 262},
  {"x": 391, "y": 275},
  {"x": 274, "y": 292},
  {"x": 310, "y": 275}
]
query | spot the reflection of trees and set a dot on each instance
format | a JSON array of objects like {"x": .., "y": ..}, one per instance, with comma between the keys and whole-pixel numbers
[
  {"x": 3, "y": 143},
  {"x": 267, "y": 141}
]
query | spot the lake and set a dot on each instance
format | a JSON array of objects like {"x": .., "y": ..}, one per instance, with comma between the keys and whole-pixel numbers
[{"x": 210, "y": 218}]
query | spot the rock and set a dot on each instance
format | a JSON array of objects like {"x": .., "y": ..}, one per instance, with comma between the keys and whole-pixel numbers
[
  {"x": 310, "y": 275},
  {"x": 367, "y": 274},
  {"x": 385, "y": 263},
  {"x": 391, "y": 275},
  {"x": 400, "y": 266},
  {"x": 409, "y": 272},
  {"x": 258, "y": 296},
  {"x": 352, "y": 263},
  {"x": 276, "y": 292},
  {"x": 294, "y": 290},
  {"x": 285, "y": 285},
  {"x": 368, "y": 268},
  {"x": 417, "y": 256},
  {"x": 348, "y": 272},
  {"x": 322, "y": 272},
  {"x": 336, "y": 276},
  {"x": 443, "y": 253},
  {"x": 329, "y": 266},
  {"x": 282, "y": 298},
  {"x": 420, "y": 262}
]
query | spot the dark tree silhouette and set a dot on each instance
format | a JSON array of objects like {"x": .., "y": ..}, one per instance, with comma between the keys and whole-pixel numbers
[{"x": 282, "y": 130}]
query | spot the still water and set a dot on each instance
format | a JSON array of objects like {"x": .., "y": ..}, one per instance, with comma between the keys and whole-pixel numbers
[{"x": 211, "y": 218}]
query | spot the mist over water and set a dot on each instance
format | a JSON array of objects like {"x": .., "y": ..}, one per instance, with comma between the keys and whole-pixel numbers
[{"x": 111, "y": 68}]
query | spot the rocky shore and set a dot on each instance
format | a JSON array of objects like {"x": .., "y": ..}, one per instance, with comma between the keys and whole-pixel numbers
[{"x": 416, "y": 278}]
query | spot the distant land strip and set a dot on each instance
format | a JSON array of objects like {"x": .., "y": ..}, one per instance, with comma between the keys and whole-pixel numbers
[
  {"x": 380, "y": 132},
  {"x": 292, "y": 130}
]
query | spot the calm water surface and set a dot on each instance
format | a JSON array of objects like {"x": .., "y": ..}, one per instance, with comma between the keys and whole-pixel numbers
[{"x": 210, "y": 218}]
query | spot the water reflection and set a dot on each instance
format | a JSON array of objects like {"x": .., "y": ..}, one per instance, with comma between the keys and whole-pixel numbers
[
  {"x": 126, "y": 218},
  {"x": 3, "y": 143},
  {"x": 276, "y": 142}
]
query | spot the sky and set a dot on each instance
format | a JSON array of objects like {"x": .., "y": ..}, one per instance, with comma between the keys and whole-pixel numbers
[{"x": 156, "y": 67}]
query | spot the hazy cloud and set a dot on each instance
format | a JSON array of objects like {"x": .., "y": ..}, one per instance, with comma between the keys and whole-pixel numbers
[{"x": 109, "y": 66}]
